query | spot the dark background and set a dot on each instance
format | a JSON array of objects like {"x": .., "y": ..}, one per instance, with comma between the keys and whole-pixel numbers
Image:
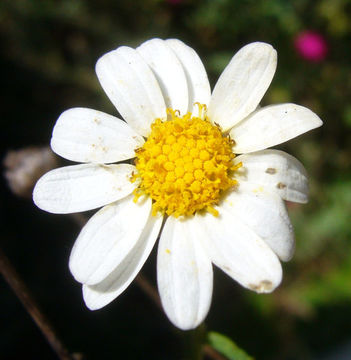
[{"x": 48, "y": 53}]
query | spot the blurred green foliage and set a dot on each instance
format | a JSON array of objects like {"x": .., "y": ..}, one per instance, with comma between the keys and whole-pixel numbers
[
  {"x": 227, "y": 347},
  {"x": 49, "y": 48}
]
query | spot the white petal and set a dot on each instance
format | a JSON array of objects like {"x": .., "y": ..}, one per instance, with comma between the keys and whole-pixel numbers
[
  {"x": 168, "y": 71},
  {"x": 265, "y": 213},
  {"x": 107, "y": 239},
  {"x": 132, "y": 87},
  {"x": 184, "y": 274},
  {"x": 198, "y": 85},
  {"x": 272, "y": 125},
  {"x": 242, "y": 84},
  {"x": 275, "y": 170},
  {"x": 83, "y": 187},
  {"x": 99, "y": 295},
  {"x": 87, "y": 135},
  {"x": 239, "y": 252}
]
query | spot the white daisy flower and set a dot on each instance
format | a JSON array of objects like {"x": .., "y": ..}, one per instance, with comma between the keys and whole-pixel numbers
[{"x": 185, "y": 183}]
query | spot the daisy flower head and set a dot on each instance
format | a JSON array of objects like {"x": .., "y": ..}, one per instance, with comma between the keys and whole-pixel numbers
[{"x": 197, "y": 175}]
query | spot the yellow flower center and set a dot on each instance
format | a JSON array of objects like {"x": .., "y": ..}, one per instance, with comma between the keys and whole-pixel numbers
[{"x": 184, "y": 165}]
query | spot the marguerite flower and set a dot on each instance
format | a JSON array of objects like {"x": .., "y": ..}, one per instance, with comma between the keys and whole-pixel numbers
[{"x": 185, "y": 183}]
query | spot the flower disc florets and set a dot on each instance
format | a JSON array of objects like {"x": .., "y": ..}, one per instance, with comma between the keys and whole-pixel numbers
[{"x": 185, "y": 165}]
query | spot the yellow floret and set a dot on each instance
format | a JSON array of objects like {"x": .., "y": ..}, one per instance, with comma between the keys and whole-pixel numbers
[
  {"x": 189, "y": 167},
  {"x": 197, "y": 163},
  {"x": 204, "y": 155},
  {"x": 198, "y": 174},
  {"x": 184, "y": 152},
  {"x": 170, "y": 139},
  {"x": 179, "y": 171},
  {"x": 194, "y": 152},
  {"x": 169, "y": 166},
  {"x": 166, "y": 149},
  {"x": 188, "y": 177}
]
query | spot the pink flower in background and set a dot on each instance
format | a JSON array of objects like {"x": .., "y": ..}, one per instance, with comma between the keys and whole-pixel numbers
[{"x": 311, "y": 46}]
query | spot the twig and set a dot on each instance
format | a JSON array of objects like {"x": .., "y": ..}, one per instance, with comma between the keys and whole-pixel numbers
[{"x": 22, "y": 292}]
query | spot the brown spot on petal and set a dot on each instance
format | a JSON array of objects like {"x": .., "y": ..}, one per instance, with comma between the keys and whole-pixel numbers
[
  {"x": 106, "y": 167},
  {"x": 263, "y": 286},
  {"x": 281, "y": 185},
  {"x": 271, "y": 171}
]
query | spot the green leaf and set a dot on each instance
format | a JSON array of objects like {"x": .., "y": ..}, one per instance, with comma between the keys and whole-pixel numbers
[{"x": 227, "y": 347}]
